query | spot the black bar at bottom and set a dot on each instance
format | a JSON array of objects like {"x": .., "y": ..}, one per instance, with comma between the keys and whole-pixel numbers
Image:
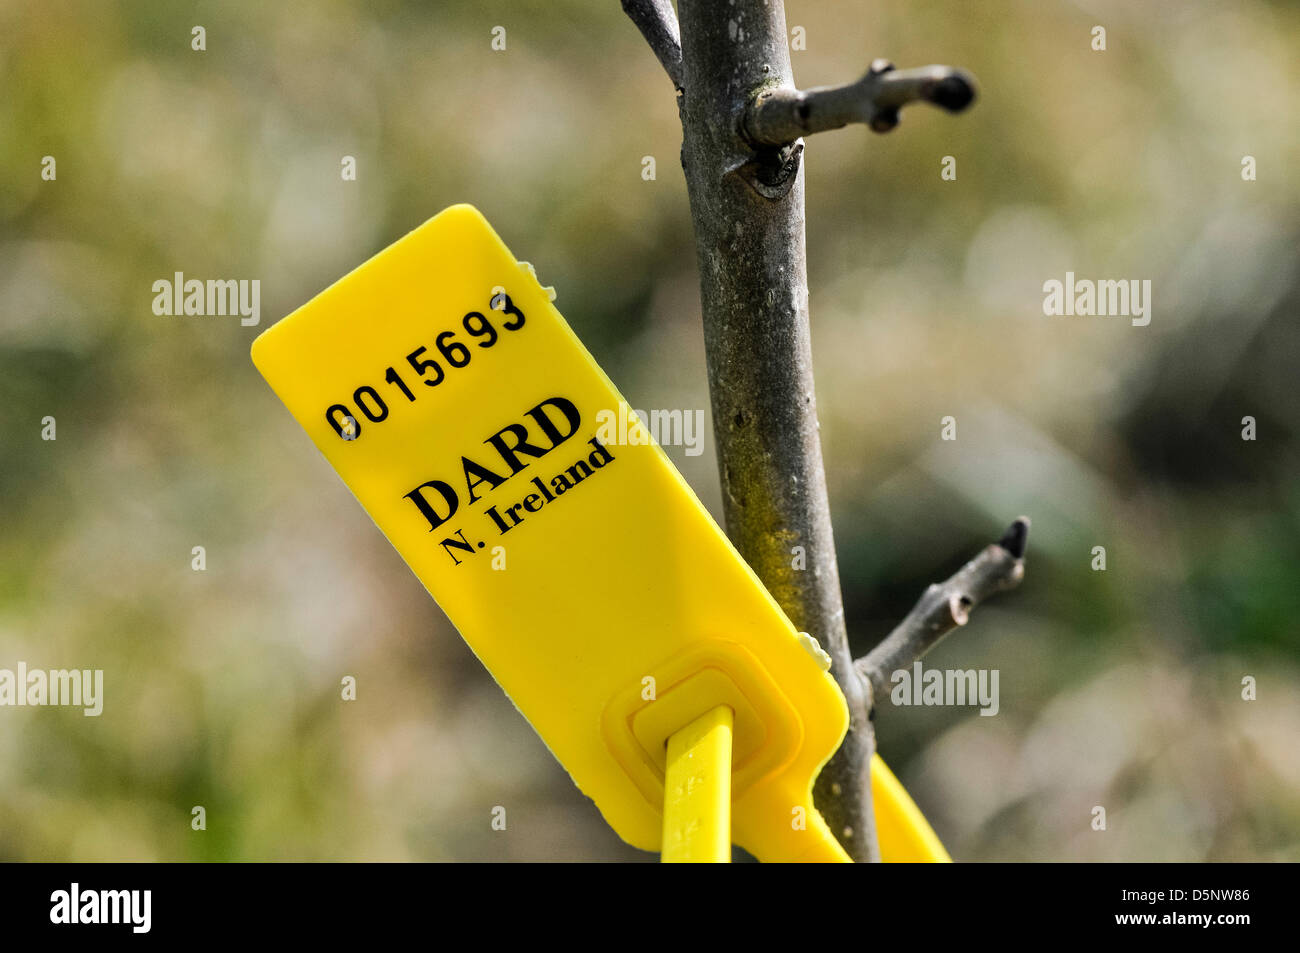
[{"x": 639, "y": 903}]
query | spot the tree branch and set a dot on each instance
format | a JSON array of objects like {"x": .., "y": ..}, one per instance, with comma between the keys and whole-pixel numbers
[
  {"x": 658, "y": 24},
  {"x": 782, "y": 115},
  {"x": 744, "y": 175},
  {"x": 748, "y": 215},
  {"x": 947, "y": 605}
]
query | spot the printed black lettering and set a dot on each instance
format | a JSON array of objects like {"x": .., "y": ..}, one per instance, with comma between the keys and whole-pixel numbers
[
  {"x": 462, "y": 544},
  {"x": 483, "y": 474},
  {"x": 581, "y": 465},
  {"x": 601, "y": 455},
  {"x": 571, "y": 417},
  {"x": 496, "y": 518},
  {"x": 427, "y": 509},
  {"x": 510, "y": 454},
  {"x": 546, "y": 494}
]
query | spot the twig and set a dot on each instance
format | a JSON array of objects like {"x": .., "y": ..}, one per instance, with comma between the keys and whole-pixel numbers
[
  {"x": 781, "y": 115},
  {"x": 947, "y": 605},
  {"x": 658, "y": 24}
]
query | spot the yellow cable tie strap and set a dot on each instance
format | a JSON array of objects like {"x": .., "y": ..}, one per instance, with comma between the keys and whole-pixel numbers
[
  {"x": 793, "y": 830},
  {"x": 906, "y": 837},
  {"x": 697, "y": 791}
]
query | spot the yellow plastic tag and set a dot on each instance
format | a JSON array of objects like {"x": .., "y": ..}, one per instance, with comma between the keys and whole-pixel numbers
[{"x": 461, "y": 410}]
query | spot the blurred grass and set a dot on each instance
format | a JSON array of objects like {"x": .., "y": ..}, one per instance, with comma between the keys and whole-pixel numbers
[{"x": 1119, "y": 688}]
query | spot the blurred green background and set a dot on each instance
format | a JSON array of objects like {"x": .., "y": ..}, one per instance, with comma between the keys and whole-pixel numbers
[{"x": 1119, "y": 688}]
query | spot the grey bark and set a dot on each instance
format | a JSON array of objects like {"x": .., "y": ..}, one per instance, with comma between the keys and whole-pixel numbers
[
  {"x": 747, "y": 206},
  {"x": 743, "y": 159}
]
